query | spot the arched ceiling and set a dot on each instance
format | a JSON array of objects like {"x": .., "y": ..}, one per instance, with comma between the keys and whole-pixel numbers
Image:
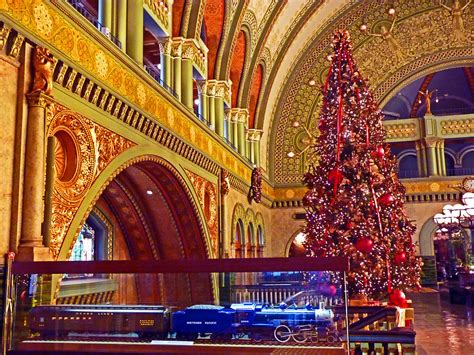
[{"x": 291, "y": 39}]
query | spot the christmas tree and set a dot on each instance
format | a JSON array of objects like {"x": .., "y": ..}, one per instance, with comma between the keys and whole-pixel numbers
[{"x": 355, "y": 203}]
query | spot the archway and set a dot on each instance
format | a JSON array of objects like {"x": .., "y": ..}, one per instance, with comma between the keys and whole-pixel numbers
[
  {"x": 295, "y": 247},
  {"x": 153, "y": 217}
]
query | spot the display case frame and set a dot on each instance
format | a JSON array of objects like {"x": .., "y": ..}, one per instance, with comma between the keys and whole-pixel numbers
[{"x": 337, "y": 265}]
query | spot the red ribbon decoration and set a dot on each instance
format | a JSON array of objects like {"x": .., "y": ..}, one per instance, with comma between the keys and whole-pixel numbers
[{"x": 376, "y": 204}]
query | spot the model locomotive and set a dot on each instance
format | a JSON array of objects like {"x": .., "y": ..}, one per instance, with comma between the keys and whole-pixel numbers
[{"x": 244, "y": 320}]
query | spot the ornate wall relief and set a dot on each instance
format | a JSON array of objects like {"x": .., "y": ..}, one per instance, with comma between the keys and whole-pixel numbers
[
  {"x": 207, "y": 195},
  {"x": 83, "y": 149}
]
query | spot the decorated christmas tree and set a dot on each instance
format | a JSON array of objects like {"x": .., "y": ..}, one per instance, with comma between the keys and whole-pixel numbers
[{"x": 355, "y": 203}]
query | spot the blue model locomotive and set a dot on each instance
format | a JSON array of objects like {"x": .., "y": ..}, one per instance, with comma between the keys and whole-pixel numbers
[{"x": 239, "y": 321}]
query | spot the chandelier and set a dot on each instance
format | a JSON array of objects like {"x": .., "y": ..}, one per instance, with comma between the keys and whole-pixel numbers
[{"x": 457, "y": 216}]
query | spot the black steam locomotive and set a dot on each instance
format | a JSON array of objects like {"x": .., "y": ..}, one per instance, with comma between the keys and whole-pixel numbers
[{"x": 239, "y": 321}]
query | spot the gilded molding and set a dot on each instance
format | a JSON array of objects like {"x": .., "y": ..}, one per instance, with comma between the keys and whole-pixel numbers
[
  {"x": 197, "y": 52},
  {"x": 14, "y": 50},
  {"x": 4, "y": 33},
  {"x": 422, "y": 31},
  {"x": 207, "y": 191},
  {"x": 160, "y": 11},
  {"x": 40, "y": 99},
  {"x": 162, "y": 162},
  {"x": 254, "y": 135},
  {"x": 94, "y": 148},
  {"x": 165, "y": 44},
  {"x": 456, "y": 126},
  {"x": 70, "y": 42},
  {"x": 402, "y": 130}
]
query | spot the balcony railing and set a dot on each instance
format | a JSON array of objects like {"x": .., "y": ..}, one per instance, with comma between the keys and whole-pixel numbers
[
  {"x": 408, "y": 174},
  {"x": 460, "y": 171},
  {"x": 155, "y": 74},
  {"x": 79, "y": 6}
]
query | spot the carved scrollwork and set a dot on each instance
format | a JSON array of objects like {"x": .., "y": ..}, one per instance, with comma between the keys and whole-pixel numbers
[
  {"x": 43, "y": 64},
  {"x": 83, "y": 150},
  {"x": 207, "y": 196}
]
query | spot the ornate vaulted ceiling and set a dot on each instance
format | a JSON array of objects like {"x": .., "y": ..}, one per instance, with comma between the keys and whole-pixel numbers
[{"x": 292, "y": 40}]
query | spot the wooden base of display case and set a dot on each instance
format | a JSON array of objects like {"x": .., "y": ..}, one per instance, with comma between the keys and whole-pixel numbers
[{"x": 75, "y": 347}]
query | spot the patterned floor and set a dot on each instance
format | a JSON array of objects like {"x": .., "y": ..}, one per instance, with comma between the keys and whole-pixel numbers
[{"x": 441, "y": 327}]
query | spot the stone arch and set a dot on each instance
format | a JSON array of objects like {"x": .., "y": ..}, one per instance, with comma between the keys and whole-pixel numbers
[
  {"x": 238, "y": 63},
  {"x": 153, "y": 206},
  {"x": 290, "y": 242},
  {"x": 426, "y": 237},
  {"x": 238, "y": 229},
  {"x": 419, "y": 68},
  {"x": 462, "y": 154}
]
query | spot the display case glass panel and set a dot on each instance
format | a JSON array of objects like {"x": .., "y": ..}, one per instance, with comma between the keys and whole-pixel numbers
[{"x": 125, "y": 304}]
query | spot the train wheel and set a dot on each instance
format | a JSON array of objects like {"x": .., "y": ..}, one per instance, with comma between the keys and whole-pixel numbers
[
  {"x": 299, "y": 334},
  {"x": 331, "y": 338},
  {"x": 282, "y": 333}
]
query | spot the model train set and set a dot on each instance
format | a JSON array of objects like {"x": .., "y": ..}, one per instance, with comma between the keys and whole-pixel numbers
[{"x": 249, "y": 321}]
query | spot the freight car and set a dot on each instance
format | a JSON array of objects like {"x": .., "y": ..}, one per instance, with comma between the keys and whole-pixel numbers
[{"x": 62, "y": 320}]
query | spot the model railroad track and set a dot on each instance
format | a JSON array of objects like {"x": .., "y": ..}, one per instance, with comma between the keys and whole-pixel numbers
[
  {"x": 268, "y": 342},
  {"x": 105, "y": 339},
  {"x": 199, "y": 341}
]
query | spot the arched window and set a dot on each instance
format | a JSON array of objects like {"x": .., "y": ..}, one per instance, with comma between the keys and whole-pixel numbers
[
  {"x": 260, "y": 242},
  {"x": 239, "y": 237},
  {"x": 250, "y": 243},
  {"x": 408, "y": 166},
  {"x": 93, "y": 242}
]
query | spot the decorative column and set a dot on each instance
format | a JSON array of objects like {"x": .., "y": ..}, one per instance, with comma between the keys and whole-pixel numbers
[
  {"x": 241, "y": 125},
  {"x": 176, "y": 52},
  {"x": 135, "y": 30},
  {"x": 121, "y": 23},
  {"x": 31, "y": 245},
  {"x": 440, "y": 155},
  {"x": 31, "y": 241},
  {"x": 188, "y": 51},
  {"x": 219, "y": 109},
  {"x": 230, "y": 126},
  {"x": 211, "y": 93},
  {"x": 203, "y": 100},
  {"x": 432, "y": 156},
  {"x": 165, "y": 60},
  {"x": 253, "y": 138},
  {"x": 105, "y": 13},
  {"x": 421, "y": 158}
]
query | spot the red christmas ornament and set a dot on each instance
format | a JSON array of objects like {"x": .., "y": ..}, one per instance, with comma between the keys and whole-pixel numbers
[
  {"x": 400, "y": 257},
  {"x": 349, "y": 225},
  {"x": 398, "y": 298},
  {"x": 386, "y": 199},
  {"x": 335, "y": 176},
  {"x": 379, "y": 153},
  {"x": 364, "y": 245},
  {"x": 331, "y": 290}
]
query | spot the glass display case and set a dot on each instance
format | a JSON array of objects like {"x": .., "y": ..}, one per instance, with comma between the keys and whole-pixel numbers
[{"x": 167, "y": 304}]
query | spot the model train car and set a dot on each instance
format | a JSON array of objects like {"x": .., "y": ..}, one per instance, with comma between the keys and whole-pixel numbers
[
  {"x": 248, "y": 320},
  {"x": 62, "y": 320}
]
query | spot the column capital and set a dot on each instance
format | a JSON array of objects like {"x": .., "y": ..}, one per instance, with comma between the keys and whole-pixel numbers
[
  {"x": 165, "y": 44},
  {"x": 221, "y": 88},
  {"x": 202, "y": 87},
  {"x": 433, "y": 141},
  {"x": 39, "y": 98},
  {"x": 177, "y": 47},
  {"x": 254, "y": 135},
  {"x": 238, "y": 115}
]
